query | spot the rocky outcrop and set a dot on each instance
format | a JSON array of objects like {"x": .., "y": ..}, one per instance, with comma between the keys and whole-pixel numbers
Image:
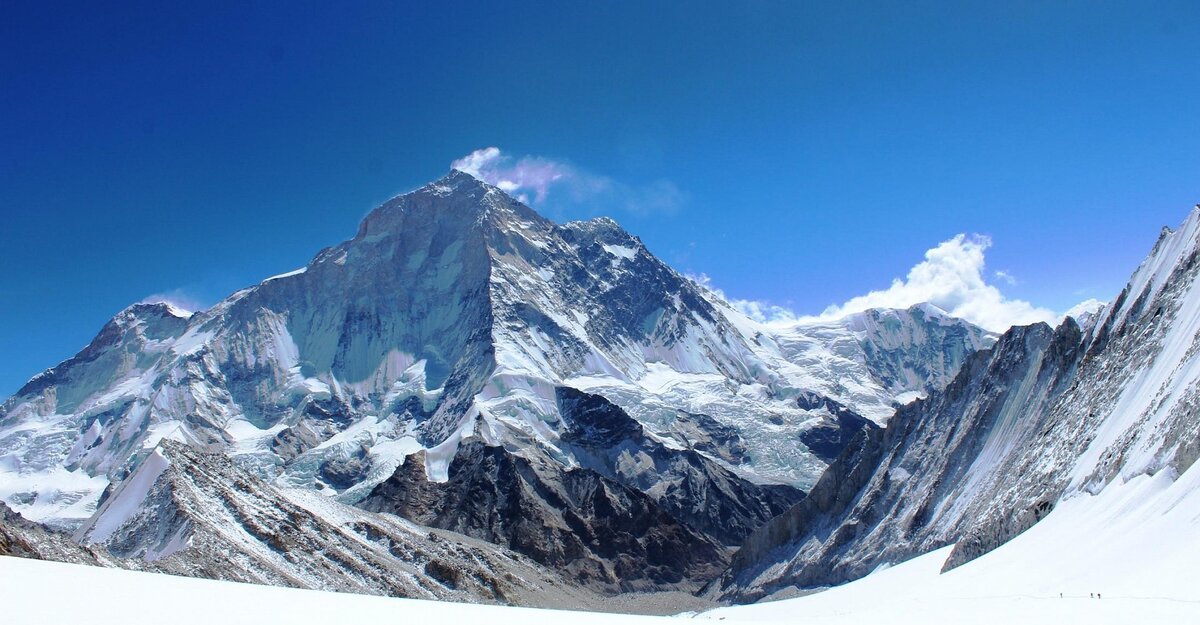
[
  {"x": 708, "y": 435},
  {"x": 22, "y": 538},
  {"x": 194, "y": 514},
  {"x": 688, "y": 485},
  {"x": 835, "y": 429},
  {"x": 598, "y": 532},
  {"x": 1045, "y": 415}
]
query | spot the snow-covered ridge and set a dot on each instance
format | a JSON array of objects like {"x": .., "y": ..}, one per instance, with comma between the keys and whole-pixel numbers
[
  {"x": 1046, "y": 417},
  {"x": 125, "y": 500},
  {"x": 454, "y": 311},
  {"x": 1172, "y": 248}
]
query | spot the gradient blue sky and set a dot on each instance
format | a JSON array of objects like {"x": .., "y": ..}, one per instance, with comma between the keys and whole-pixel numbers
[{"x": 796, "y": 153}]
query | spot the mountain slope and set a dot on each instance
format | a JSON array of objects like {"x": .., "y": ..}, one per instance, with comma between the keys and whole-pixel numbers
[
  {"x": 22, "y": 538},
  {"x": 1046, "y": 416},
  {"x": 598, "y": 532},
  {"x": 455, "y": 304},
  {"x": 194, "y": 514},
  {"x": 687, "y": 484},
  {"x": 1124, "y": 555}
]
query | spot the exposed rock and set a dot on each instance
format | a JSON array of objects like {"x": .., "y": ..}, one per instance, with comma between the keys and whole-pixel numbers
[
  {"x": 1046, "y": 414},
  {"x": 600, "y": 533},
  {"x": 836, "y": 428},
  {"x": 688, "y": 485},
  {"x": 705, "y": 434},
  {"x": 201, "y": 516},
  {"x": 22, "y": 538}
]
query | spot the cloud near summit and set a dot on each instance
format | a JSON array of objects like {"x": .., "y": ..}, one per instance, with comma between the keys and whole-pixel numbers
[
  {"x": 527, "y": 174},
  {"x": 562, "y": 187},
  {"x": 952, "y": 275}
]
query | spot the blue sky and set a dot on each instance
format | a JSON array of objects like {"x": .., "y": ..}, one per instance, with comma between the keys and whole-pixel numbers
[{"x": 799, "y": 154}]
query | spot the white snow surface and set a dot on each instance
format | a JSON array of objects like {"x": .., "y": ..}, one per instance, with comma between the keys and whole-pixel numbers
[
  {"x": 125, "y": 501},
  {"x": 1134, "y": 544},
  {"x": 33, "y": 591},
  {"x": 621, "y": 251}
]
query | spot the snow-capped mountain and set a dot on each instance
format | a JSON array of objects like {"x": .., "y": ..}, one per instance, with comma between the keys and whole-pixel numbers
[
  {"x": 467, "y": 401},
  {"x": 190, "y": 513},
  {"x": 1045, "y": 417},
  {"x": 193, "y": 514},
  {"x": 633, "y": 515},
  {"x": 455, "y": 312}
]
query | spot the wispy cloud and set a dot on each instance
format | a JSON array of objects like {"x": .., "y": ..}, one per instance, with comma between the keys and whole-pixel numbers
[
  {"x": 179, "y": 298},
  {"x": 548, "y": 183},
  {"x": 763, "y": 312},
  {"x": 529, "y": 173}
]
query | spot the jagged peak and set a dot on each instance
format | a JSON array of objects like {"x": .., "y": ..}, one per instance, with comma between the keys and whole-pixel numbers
[
  {"x": 596, "y": 225},
  {"x": 457, "y": 180},
  {"x": 456, "y": 183},
  {"x": 456, "y": 196},
  {"x": 1173, "y": 248},
  {"x": 156, "y": 309},
  {"x": 601, "y": 231}
]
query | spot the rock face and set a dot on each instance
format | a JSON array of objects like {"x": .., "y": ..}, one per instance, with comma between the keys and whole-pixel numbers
[
  {"x": 688, "y": 485},
  {"x": 22, "y": 538},
  {"x": 633, "y": 514},
  {"x": 450, "y": 304},
  {"x": 189, "y": 513},
  {"x": 1045, "y": 415},
  {"x": 598, "y": 532},
  {"x": 835, "y": 431}
]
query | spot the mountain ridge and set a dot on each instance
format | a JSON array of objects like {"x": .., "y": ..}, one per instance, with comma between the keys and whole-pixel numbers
[
  {"x": 451, "y": 303},
  {"x": 1045, "y": 416}
]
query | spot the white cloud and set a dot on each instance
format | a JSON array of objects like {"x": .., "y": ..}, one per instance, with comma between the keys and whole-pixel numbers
[
  {"x": 177, "y": 298},
  {"x": 1085, "y": 308},
  {"x": 762, "y": 312},
  {"x": 547, "y": 183},
  {"x": 1007, "y": 277},
  {"x": 952, "y": 278},
  {"x": 530, "y": 173}
]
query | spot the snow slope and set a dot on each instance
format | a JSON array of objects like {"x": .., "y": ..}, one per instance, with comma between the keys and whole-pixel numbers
[
  {"x": 1046, "y": 416},
  {"x": 1134, "y": 543},
  {"x": 33, "y": 593}
]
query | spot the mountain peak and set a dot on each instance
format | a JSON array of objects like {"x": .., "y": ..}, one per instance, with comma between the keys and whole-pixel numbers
[
  {"x": 457, "y": 180},
  {"x": 455, "y": 200}
]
